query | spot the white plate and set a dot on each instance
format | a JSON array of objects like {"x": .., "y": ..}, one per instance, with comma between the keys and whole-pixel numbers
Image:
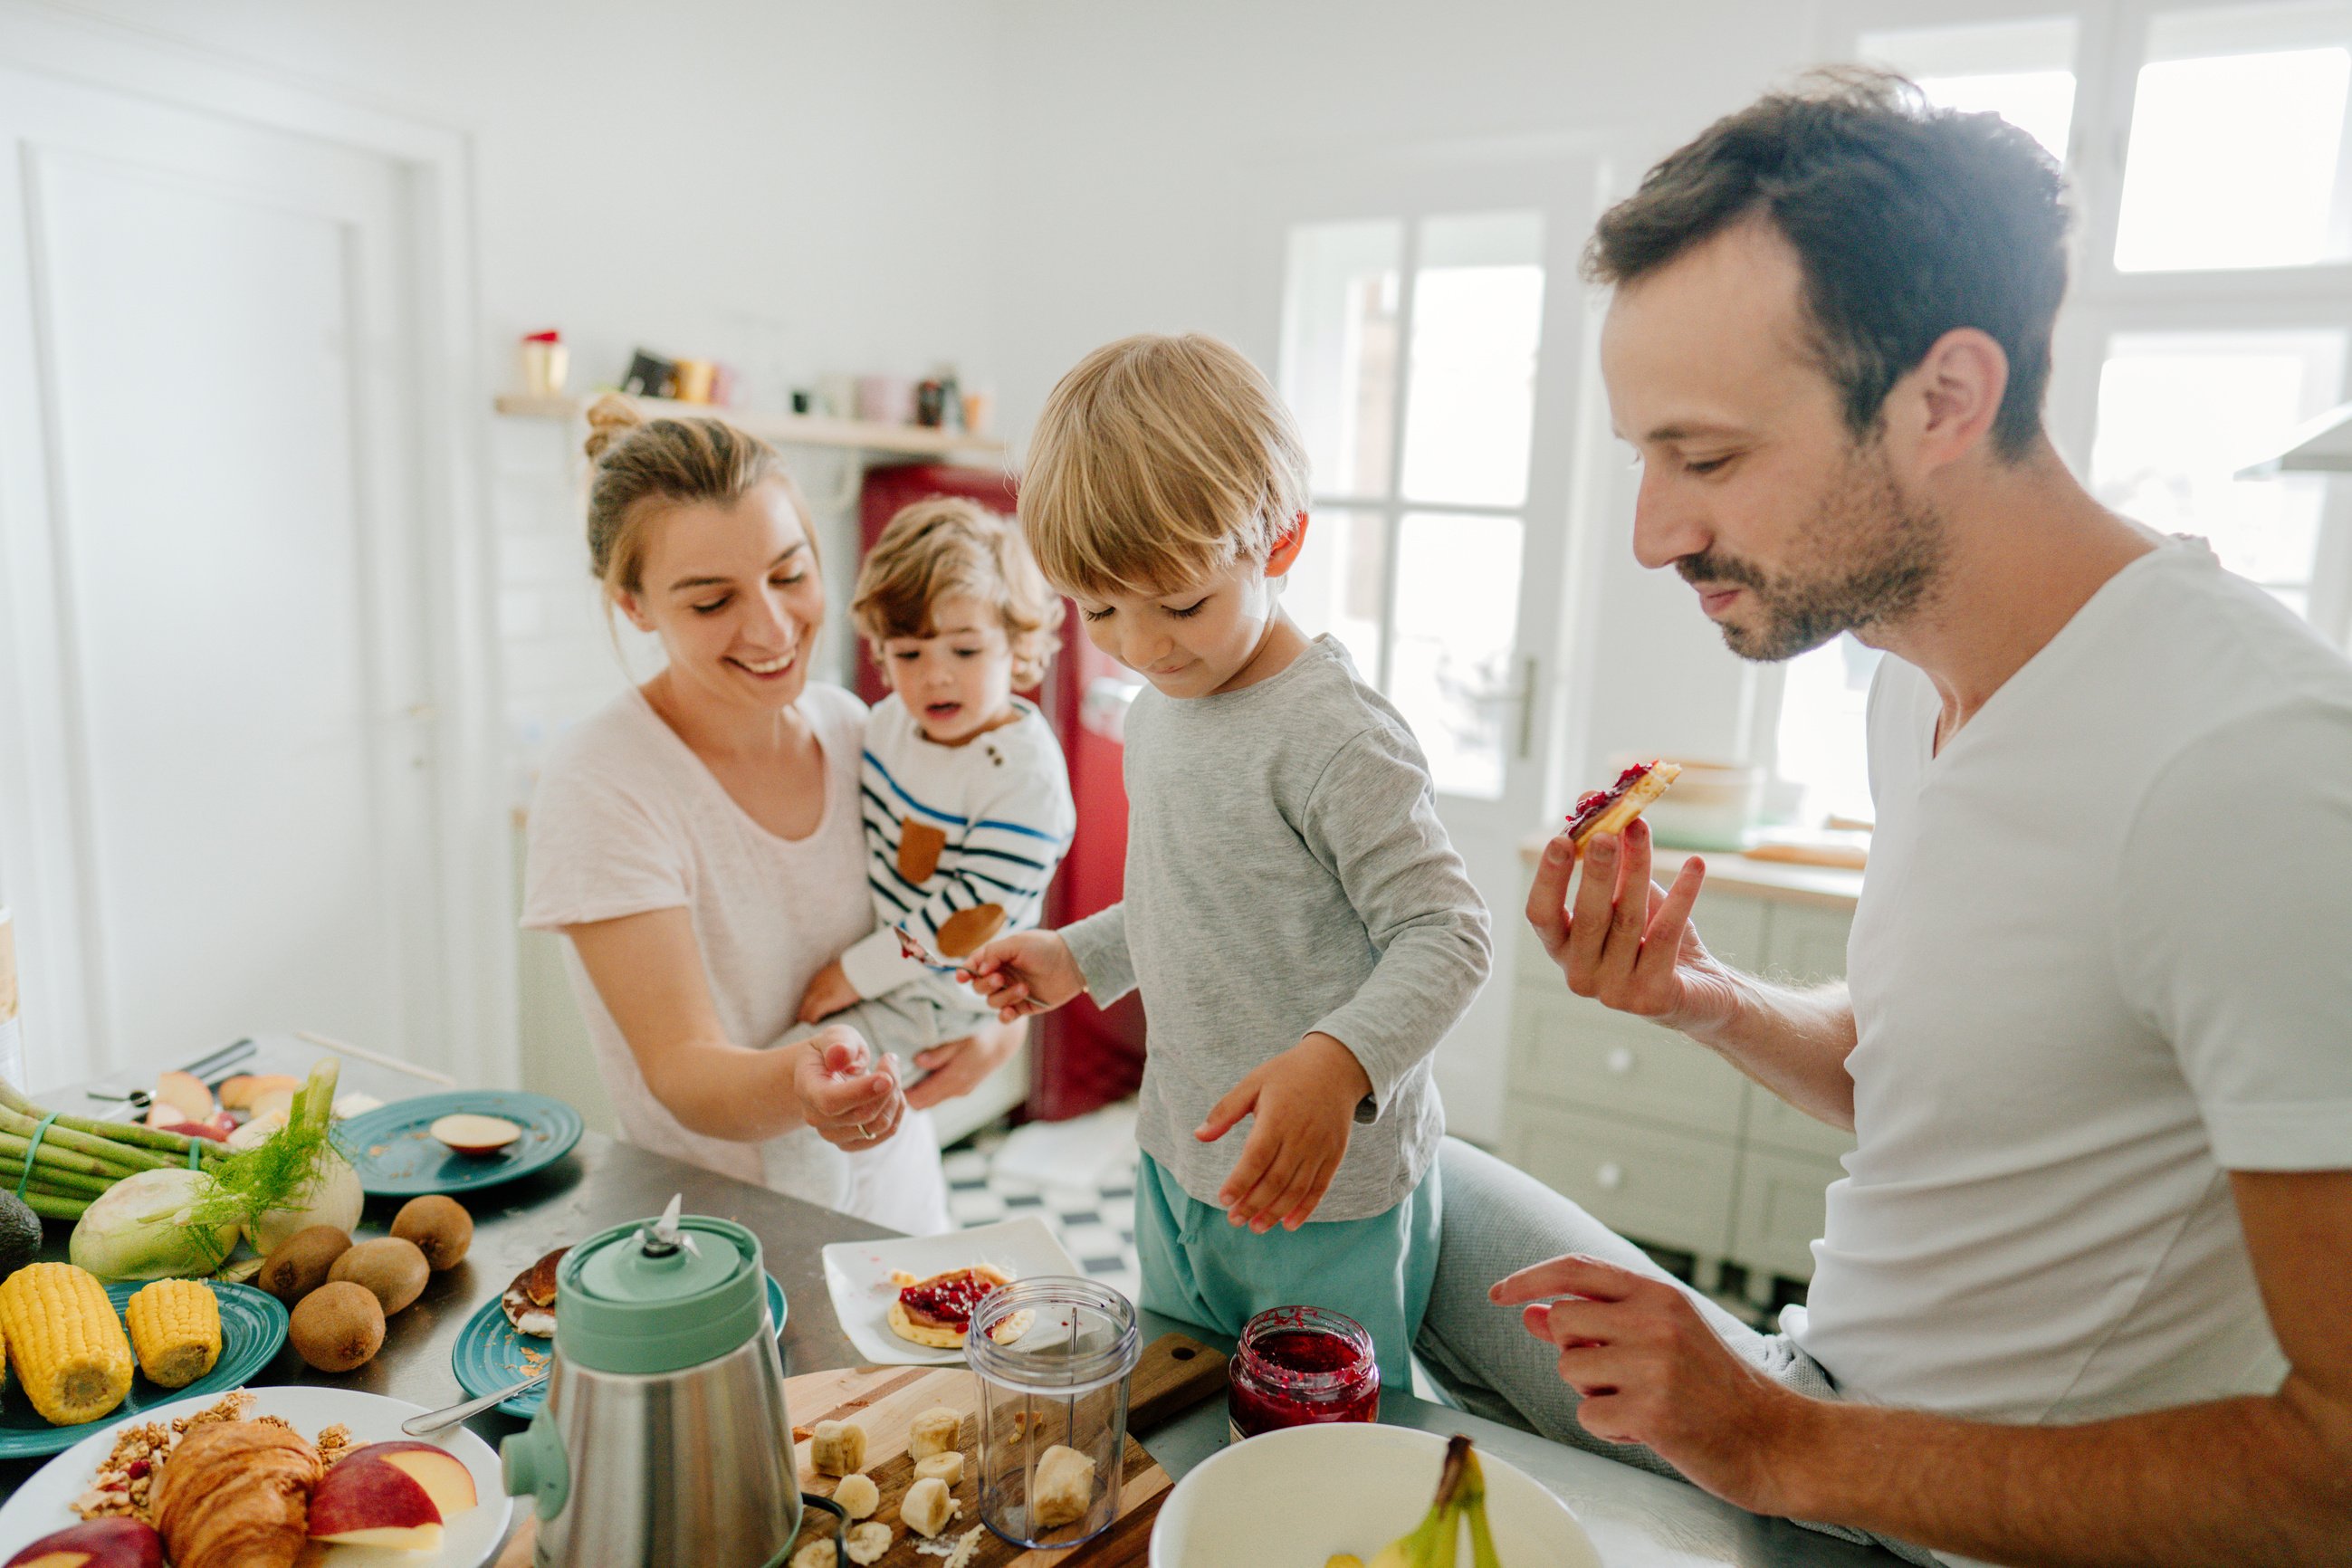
[
  {"x": 1292, "y": 1499},
  {"x": 45, "y": 1502},
  {"x": 857, "y": 1273}
]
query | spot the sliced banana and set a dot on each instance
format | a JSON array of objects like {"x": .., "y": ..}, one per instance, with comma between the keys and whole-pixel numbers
[{"x": 857, "y": 1495}]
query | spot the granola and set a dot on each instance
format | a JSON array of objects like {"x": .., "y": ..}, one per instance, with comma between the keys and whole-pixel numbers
[{"x": 124, "y": 1478}]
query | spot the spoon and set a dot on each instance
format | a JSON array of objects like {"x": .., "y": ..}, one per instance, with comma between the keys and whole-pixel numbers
[{"x": 434, "y": 1420}]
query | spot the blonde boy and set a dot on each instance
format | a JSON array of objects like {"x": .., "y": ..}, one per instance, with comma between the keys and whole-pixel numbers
[
  {"x": 964, "y": 789},
  {"x": 1302, "y": 931}
]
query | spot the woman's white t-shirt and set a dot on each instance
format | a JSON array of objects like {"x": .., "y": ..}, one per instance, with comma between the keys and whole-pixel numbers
[
  {"x": 2098, "y": 965},
  {"x": 626, "y": 820}
]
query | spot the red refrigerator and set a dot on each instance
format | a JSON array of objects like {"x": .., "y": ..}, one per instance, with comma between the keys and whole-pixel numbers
[{"x": 1082, "y": 1057}]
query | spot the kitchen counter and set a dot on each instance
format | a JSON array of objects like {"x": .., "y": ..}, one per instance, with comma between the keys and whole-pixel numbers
[
  {"x": 1637, "y": 1520},
  {"x": 1825, "y": 886}
]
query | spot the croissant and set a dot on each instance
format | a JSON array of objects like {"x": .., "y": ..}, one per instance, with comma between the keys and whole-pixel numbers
[{"x": 235, "y": 1494}]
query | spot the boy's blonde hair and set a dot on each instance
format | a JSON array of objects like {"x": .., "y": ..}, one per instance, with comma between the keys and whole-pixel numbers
[
  {"x": 1158, "y": 461},
  {"x": 943, "y": 546}
]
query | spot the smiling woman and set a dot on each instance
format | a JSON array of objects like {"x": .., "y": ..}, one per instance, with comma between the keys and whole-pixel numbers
[{"x": 698, "y": 842}]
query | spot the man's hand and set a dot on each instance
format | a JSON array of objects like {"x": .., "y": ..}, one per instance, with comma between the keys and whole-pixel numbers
[
  {"x": 1028, "y": 971},
  {"x": 828, "y": 993},
  {"x": 956, "y": 1067},
  {"x": 850, "y": 1099},
  {"x": 1651, "y": 1371},
  {"x": 1626, "y": 941},
  {"x": 1305, "y": 1101}
]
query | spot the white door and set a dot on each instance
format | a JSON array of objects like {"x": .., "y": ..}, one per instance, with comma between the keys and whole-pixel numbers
[
  {"x": 218, "y": 815},
  {"x": 1431, "y": 330}
]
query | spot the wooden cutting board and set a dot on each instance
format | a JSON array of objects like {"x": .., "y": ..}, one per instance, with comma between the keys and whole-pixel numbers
[{"x": 1174, "y": 1373}]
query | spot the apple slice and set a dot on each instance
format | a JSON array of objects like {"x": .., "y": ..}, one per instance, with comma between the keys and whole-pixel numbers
[
  {"x": 100, "y": 1543},
  {"x": 281, "y": 1100},
  {"x": 243, "y": 1091},
  {"x": 186, "y": 1093},
  {"x": 476, "y": 1134},
  {"x": 443, "y": 1474},
  {"x": 369, "y": 1500}
]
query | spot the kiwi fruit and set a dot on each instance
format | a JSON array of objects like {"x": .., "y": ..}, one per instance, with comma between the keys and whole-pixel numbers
[
  {"x": 394, "y": 1270},
  {"x": 338, "y": 1326},
  {"x": 440, "y": 1227},
  {"x": 301, "y": 1262}
]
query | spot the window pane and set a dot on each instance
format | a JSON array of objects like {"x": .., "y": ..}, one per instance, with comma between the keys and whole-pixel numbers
[
  {"x": 1824, "y": 733},
  {"x": 1477, "y": 320},
  {"x": 1339, "y": 351},
  {"x": 2179, "y": 413},
  {"x": 2022, "y": 71},
  {"x": 2236, "y": 141},
  {"x": 1456, "y": 616},
  {"x": 1340, "y": 581}
]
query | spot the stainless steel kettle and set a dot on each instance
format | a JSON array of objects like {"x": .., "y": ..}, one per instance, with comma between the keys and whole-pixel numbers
[{"x": 664, "y": 1439}]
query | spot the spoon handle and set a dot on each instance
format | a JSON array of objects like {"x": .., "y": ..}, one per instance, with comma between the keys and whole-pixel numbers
[{"x": 433, "y": 1421}]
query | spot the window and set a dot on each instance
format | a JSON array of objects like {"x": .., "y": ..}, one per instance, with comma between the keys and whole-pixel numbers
[{"x": 1409, "y": 352}]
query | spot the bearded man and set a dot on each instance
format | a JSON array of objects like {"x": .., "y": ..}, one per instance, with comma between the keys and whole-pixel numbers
[{"x": 2085, "y": 1293}]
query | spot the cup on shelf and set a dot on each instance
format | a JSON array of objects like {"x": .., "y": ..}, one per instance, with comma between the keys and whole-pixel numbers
[
  {"x": 692, "y": 381},
  {"x": 546, "y": 364},
  {"x": 885, "y": 399}
]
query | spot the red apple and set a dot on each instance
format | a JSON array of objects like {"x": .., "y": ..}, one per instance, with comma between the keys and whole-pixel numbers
[
  {"x": 211, "y": 1129},
  {"x": 368, "y": 1500},
  {"x": 185, "y": 1094},
  {"x": 443, "y": 1474},
  {"x": 101, "y": 1543}
]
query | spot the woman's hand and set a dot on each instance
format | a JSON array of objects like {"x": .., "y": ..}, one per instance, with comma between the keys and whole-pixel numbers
[
  {"x": 1624, "y": 941},
  {"x": 956, "y": 1067},
  {"x": 852, "y": 1100},
  {"x": 828, "y": 993},
  {"x": 1028, "y": 971}
]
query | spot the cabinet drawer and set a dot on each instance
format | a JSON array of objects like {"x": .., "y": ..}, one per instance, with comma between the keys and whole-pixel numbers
[
  {"x": 1807, "y": 944},
  {"x": 1781, "y": 1201},
  {"x": 1731, "y": 924},
  {"x": 1774, "y": 1122},
  {"x": 1669, "y": 1188},
  {"x": 1567, "y": 1048}
]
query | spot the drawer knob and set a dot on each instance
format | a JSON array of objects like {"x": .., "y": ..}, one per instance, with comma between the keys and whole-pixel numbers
[
  {"x": 1620, "y": 1060},
  {"x": 1610, "y": 1176}
]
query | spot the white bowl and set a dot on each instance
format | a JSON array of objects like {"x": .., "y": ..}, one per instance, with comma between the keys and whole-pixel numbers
[{"x": 1293, "y": 1497}]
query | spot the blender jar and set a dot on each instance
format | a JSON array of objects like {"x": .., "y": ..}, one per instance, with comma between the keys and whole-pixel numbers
[{"x": 1053, "y": 1407}]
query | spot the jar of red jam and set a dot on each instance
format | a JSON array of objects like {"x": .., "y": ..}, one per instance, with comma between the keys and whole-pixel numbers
[{"x": 1297, "y": 1366}]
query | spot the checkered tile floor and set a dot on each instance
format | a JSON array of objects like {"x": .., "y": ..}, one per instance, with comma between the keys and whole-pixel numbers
[{"x": 1095, "y": 1222}]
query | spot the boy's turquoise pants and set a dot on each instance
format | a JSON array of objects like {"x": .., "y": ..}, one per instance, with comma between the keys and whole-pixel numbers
[{"x": 1200, "y": 1267}]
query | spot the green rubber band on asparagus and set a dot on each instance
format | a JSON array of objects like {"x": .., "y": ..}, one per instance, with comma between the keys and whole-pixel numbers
[{"x": 32, "y": 1150}]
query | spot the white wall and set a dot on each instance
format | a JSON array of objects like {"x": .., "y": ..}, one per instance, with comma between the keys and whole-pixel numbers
[{"x": 794, "y": 188}]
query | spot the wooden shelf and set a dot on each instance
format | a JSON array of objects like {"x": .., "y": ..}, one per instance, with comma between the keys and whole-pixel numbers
[{"x": 786, "y": 429}]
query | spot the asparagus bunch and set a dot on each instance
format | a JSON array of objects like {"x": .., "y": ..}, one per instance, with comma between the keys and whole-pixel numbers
[
  {"x": 80, "y": 1158},
  {"x": 1461, "y": 1498}
]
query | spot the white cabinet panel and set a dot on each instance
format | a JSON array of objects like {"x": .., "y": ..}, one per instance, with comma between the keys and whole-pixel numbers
[
  {"x": 1669, "y": 1188},
  {"x": 1781, "y": 1202},
  {"x": 1575, "y": 1050}
]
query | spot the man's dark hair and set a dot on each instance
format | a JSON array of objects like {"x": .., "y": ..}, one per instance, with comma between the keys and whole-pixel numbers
[{"x": 1908, "y": 221}]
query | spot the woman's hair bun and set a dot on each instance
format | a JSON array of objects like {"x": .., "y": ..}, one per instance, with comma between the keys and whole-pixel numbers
[{"x": 610, "y": 417}]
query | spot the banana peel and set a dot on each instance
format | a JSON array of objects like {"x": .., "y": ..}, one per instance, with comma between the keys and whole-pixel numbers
[{"x": 1435, "y": 1541}]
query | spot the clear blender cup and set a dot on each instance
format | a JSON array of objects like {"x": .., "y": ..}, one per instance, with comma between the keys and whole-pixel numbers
[{"x": 1053, "y": 1407}]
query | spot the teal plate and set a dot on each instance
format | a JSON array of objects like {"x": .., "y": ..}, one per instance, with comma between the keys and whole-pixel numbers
[
  {"x": 253, "y": 1325},
  {"x": 488, "y": 1355},
  {"x": 397, "y": 1156}
]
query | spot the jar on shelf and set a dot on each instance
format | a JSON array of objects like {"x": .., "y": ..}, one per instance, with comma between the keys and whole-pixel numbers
[
  {"x": 1053, "y": 1406},
  {"x": 546, "y": 364},
  {"x": 1301, "y": 1367}
]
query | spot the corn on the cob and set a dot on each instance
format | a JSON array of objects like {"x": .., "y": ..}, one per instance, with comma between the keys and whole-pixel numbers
[
  {"x": 176, "y": 1327},
  {"x": 68, "y": 1345}
]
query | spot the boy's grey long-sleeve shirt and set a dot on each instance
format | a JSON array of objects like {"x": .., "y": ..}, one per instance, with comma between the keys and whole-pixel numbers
[{"x": 1286, "y": 874}]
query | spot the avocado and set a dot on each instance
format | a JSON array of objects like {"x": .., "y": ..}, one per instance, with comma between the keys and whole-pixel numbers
[{"x": 20, "y": 1233}]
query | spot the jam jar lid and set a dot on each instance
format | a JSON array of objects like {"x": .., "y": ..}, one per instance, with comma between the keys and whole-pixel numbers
[{"x": 659, "y": 1295}]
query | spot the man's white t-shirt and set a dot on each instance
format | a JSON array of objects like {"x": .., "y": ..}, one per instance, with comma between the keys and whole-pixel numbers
[
  {"x": 626, "y": 820},
  {"x": 2103, "y": 957}
]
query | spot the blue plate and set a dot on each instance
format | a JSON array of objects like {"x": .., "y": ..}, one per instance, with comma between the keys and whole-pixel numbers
[
  {"x": 253, "y": 1325},
  {"x": 488, "y": 1355},
  {"x": 397, "y": 1156}
]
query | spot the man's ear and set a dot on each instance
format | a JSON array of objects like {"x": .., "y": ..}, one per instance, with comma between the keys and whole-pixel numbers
[
  {"x": 1285, "y": 554},
  {"x": 1955, "y": 393},
  {"x": 631, "y": 607}
]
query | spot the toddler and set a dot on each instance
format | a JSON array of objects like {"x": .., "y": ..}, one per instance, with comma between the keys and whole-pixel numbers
[
  {"x": 1301, "y": 930},
  {"x": 964, "y": 792}
]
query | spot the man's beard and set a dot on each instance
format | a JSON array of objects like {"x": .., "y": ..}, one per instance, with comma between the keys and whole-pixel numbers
[{"x": 1869, "y": 554}]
